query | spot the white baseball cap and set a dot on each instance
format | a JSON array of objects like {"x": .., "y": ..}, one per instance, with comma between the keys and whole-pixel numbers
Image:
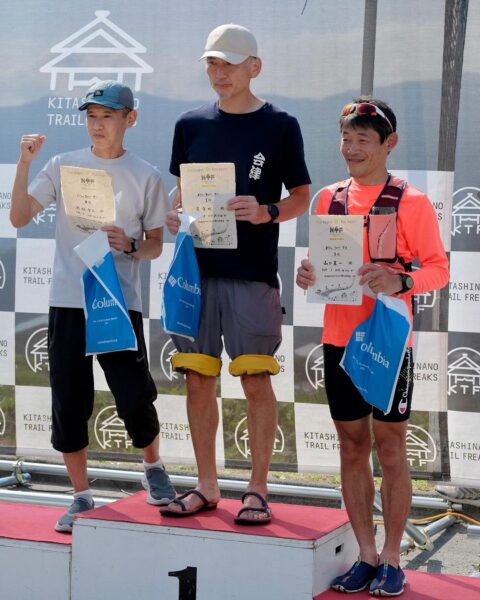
[{"x": 230, "y": 42}]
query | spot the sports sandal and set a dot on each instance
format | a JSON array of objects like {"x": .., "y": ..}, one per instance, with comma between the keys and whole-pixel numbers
[
  {"x": 265, "y": 509},
  {"x": 206, "y": 505}
]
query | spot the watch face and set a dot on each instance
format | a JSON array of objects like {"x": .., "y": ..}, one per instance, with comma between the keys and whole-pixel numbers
[
  {"x": 407, "y": 282},
  {"x": 273, "y": 211}
]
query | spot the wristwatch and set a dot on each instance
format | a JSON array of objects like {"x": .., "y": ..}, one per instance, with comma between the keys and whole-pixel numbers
[
  {"x": 133, "y": 247},
  {"x": 273, "y": 212},
  {"x": 407, "y": 283}
]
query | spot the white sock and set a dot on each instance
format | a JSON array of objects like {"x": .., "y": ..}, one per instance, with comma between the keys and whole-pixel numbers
[
  {"x": 157, "y": 463},
  {"x": 85, "y": 494}
]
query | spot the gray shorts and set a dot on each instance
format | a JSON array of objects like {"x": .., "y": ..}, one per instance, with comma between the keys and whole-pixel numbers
[{"x": 248, "y": 315}]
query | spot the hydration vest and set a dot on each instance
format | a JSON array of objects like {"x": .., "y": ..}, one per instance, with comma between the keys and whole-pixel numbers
[{"x": 381, "y": 221}]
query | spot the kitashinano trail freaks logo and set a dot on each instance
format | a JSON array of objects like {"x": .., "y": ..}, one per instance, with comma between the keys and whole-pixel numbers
[
  {"x": 463, "y": 372},
  {"x": 425, "y": 300},
  {"x": 466, "y": 212},
  {"x": 110, "y": 430},
  {"x": 98, "y": 50},
  {"x": 421, "y": 447},
  {"x": 168, "y": 350},
  {"x": 242, "y": 439},
  {"x": 36, "y": 350},
  {"x": 314, "y": 368}
]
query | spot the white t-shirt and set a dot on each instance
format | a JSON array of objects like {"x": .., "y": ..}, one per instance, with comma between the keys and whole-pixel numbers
[{"x": 140, "y": 205}]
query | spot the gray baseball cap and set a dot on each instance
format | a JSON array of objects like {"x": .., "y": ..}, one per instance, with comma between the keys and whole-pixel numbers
[{"x": 232, "y": 43}]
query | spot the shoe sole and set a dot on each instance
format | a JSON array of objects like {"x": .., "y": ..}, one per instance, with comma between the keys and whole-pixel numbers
[
  {"x": 340, "y": 588},
  {"x": 383, "y": 594},
  {"x": 187, "y": 513},
  {"x": 63, "y": 528},
  {"x": 160, "y": 502},
  {"x": 253, "y": 522}
]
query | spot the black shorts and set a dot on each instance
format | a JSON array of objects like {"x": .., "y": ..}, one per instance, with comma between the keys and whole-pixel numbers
[
  {"x": 71, "y": 379},
  {"x": 346, "y": 402}
]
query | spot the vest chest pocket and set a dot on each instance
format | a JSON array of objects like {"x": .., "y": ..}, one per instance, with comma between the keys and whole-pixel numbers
[{"x": 382, "y": 233}]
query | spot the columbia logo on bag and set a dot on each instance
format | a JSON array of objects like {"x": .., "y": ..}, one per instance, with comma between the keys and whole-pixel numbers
[
  {"x": 193, "y": 288},
  {"x": 359, "y": 336},
  {"x": 377, "y": 356},
  {"x": 103, "y": 303}
]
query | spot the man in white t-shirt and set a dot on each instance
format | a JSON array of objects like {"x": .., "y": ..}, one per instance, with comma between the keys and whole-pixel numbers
[{"x": 140, "y": 208}]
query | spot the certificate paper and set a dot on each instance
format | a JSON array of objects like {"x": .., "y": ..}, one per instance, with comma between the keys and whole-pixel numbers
[
  {"x": 88, "y": 197},
  {"x": 336, "y": 253},
  {"x": 206, "y": 188}
]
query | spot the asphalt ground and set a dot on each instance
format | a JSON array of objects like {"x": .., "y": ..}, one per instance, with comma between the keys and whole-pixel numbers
[{"x": 454, "y": 551}]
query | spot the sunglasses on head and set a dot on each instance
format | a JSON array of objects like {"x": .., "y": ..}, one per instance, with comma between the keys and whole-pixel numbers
[{"x": 365, "y": 108}]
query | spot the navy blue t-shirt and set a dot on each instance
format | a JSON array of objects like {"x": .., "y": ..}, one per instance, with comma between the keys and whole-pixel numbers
[{"x": 266, "y": 147}]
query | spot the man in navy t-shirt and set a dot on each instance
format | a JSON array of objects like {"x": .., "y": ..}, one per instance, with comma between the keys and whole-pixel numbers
[{"x": 240, "y": 297}]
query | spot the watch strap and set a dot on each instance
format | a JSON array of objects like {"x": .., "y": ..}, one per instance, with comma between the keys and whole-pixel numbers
[
  {"x": 405, "y": 277},
  {"x": 133, "y": 247}
]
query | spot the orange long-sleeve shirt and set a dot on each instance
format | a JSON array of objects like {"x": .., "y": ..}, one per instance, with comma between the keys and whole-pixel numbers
[{"x": 418, "y": 236}]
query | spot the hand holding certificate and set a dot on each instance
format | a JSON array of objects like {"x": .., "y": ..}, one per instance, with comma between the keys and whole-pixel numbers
[
  {"x": 336, "y": 253},
  {"x": 206, "y": 189},
  {"x": 88, "y": 197}
]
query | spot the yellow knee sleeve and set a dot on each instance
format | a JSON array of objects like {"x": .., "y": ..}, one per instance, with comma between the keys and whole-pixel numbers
[
  {"x": 253, "y": 364},
  {"x": 201, "y": 363}
]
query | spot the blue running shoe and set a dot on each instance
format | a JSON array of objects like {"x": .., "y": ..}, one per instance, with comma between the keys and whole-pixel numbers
[
  {"x": 65, "y": 523},
  {"x": 356, "y": 579},
  {"x": 388, "y": 581},
  {"x": 158, "y": 485}
]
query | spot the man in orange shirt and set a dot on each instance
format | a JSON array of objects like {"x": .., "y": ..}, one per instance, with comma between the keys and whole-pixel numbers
[{"x": 368, "y": 135}]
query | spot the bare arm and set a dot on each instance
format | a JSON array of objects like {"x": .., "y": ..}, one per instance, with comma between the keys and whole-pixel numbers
[
  {"x": 172, "y": 221},
  {"x": 247, "y": 208},
  {"x": 147, "y": 249},
  {"x": 380, "y": 279},
  {"x": 23, "y": 206}
]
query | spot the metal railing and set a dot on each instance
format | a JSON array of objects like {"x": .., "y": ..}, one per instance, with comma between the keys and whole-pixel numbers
[
  {"x": 22, "y": 470},
  {"x": 231, "y": 485}
]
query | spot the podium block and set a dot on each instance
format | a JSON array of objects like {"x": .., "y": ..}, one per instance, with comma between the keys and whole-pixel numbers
[
  {"x": 35, "y": 560},
  {"x": 126, "y": 551}
]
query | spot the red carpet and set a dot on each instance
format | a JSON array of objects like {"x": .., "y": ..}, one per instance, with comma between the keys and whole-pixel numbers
[
  {"x": 424, "y": 586},
  {"x": 289, "y": 521},
  {"x": 31, "y": 523}
]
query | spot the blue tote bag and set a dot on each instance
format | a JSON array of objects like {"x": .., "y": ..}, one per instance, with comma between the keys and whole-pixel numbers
[
  {"x": 374, "y": 354},
  {"x": 107, "y": 322},
  {"x": 182, "y": 294}
]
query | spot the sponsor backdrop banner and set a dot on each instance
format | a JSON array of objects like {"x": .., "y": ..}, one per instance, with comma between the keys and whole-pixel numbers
[{"x": 312, "y": 62}]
